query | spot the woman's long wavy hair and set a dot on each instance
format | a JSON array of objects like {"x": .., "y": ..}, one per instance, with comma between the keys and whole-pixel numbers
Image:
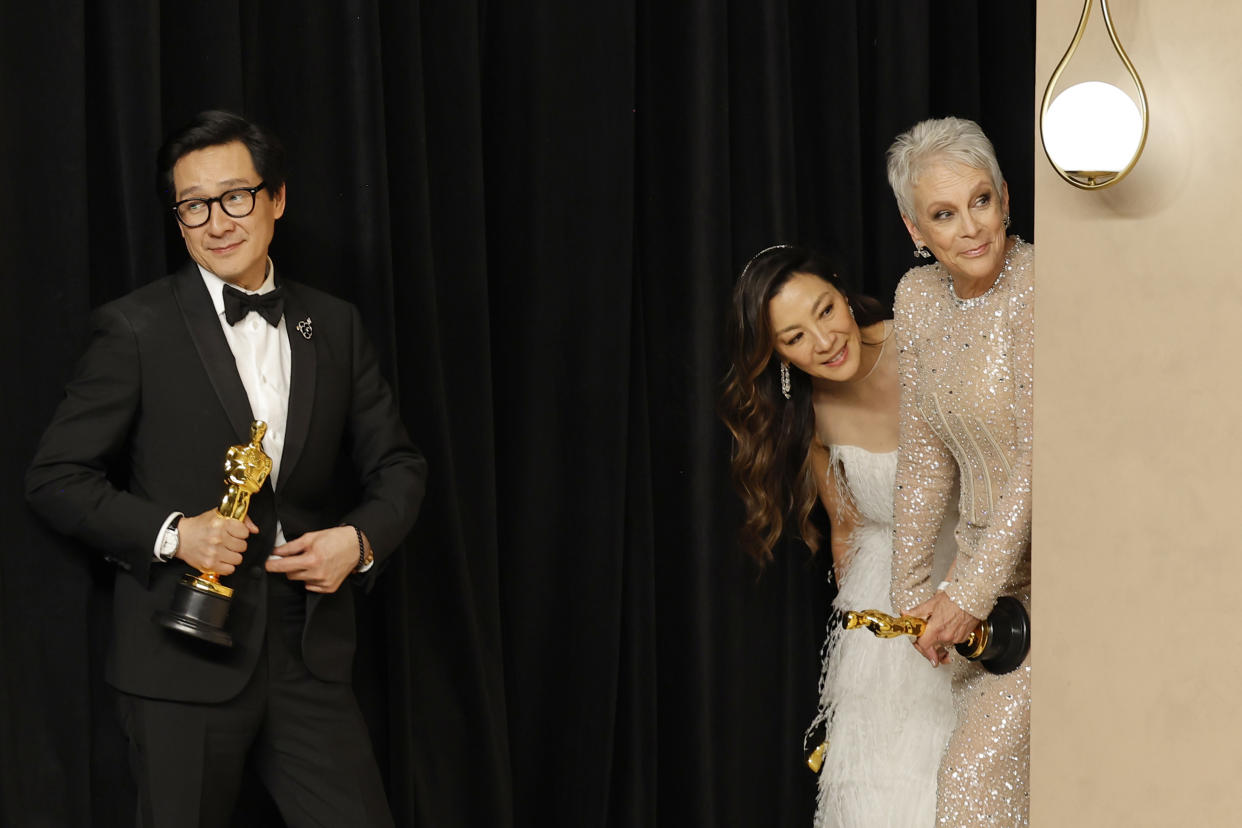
[{"x": 772, "y": 435}]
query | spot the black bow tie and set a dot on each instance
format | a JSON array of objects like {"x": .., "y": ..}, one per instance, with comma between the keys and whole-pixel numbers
[{"x": 270, "y": 305}]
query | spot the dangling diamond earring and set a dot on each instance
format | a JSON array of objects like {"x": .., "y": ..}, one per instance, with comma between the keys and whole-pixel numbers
[
  {"x": 1006, "y": 221},
  {"x": 785, "y": 385},
  {"x": 920, "y": 250}
]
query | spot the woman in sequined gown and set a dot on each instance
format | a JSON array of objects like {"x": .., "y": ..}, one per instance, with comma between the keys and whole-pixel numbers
[
  {"x": 812, "y": 401},
  {"x": 965, "y": 339}
]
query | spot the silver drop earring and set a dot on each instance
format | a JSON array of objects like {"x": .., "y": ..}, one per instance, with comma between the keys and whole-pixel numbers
[
  {"x": 1006, "y": 221},
  {"x": 785, "y": 383},
  {"x": 922, "y": 251}
]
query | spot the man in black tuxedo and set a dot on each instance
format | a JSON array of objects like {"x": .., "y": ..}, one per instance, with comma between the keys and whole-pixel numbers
[{"x": 132, "y": 464}]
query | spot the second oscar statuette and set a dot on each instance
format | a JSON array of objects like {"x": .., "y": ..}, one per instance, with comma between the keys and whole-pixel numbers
[
  {"x": 201, "y": 603},
  {"x": 999, "y": 643}
]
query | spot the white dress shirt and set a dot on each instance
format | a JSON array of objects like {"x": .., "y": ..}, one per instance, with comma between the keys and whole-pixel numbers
[{"x": 261, "y": 352}]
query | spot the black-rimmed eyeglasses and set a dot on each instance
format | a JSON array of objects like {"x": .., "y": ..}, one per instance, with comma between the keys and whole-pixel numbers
[{"x": 239, "y": 203}]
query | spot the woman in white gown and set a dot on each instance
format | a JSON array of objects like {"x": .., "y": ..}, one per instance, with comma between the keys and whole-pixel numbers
[{"x": 812, "y": 400}]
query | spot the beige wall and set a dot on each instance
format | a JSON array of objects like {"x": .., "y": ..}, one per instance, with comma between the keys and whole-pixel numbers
[{"x": 1137, "y": 542}]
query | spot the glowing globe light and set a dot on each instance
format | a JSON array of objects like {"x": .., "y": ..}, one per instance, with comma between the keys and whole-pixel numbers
[{"x": 1093, "y": 129}]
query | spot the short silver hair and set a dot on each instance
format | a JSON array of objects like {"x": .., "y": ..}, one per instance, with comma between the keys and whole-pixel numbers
[{"x": 936, "y": 140}]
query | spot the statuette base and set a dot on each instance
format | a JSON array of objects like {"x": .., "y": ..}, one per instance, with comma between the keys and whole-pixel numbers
[{"x": 199, "y": 610}]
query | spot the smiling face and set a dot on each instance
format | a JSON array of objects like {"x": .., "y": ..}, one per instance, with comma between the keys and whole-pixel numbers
[
  {"x": 813, "y": 329},
  {"x": 235, "y": 249},
  {"x": 960, "y": 217}
]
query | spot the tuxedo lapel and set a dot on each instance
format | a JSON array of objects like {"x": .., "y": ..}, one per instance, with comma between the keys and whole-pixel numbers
[
  {"x": 298, "y": 326},
  {"x": 213, "y": 349}
]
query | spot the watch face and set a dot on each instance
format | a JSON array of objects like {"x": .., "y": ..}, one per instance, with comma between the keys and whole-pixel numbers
[{"x": 171, "y": 543}]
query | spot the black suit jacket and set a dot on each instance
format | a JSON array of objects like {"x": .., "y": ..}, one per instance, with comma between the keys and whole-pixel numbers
[{"x": 142, "y": 430}]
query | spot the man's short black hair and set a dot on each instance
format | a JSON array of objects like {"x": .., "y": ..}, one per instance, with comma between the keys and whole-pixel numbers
[{"x": 215, "y": 127}]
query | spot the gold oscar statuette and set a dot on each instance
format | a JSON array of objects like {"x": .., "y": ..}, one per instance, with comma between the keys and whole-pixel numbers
[
  {"x": 201, "y": 603},
  {"x": 999, "y": 643}
]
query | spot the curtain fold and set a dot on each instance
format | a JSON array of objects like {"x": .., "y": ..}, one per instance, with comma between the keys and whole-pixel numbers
[{"x": 540, "y": 209}]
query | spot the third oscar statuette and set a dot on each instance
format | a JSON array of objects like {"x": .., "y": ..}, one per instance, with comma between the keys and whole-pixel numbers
[{"x": 201, "y": 603}]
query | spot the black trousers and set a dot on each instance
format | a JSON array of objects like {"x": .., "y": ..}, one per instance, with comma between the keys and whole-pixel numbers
[{"x": 305, "y": 739}]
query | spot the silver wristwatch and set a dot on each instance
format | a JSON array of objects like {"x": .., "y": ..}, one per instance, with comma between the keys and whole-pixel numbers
[{"x": 171, "y": 541}]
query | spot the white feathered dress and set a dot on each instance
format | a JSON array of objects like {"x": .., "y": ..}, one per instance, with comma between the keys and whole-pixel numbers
[{"x": 887, "y": 712}]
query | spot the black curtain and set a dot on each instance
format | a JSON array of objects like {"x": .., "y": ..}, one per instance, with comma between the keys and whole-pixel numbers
[{"x": 540, "y": 209}]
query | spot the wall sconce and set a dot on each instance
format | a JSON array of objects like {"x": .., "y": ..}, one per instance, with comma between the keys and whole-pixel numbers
[{"x": 1093, "y": 134}]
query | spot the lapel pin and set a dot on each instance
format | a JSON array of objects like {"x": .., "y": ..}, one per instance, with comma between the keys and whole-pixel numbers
[{"x": 304, "y": 328}]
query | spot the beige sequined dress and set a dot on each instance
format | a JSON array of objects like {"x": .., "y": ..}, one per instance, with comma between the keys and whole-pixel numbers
[{"x": 966, "y": 368}]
